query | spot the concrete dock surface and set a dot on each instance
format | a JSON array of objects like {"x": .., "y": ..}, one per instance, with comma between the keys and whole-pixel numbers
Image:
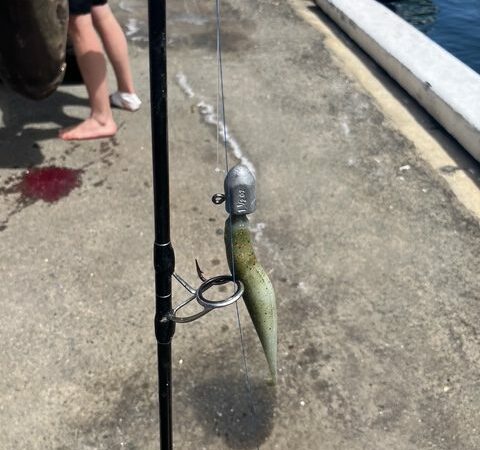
[{"x": 373, "y": 256}]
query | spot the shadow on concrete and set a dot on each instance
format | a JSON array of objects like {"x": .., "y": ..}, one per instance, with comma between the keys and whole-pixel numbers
[
  {"x": 226, "y": 409},
  {"x": 464, "y": 161},
  {"x": 123, "y": 411},
  {"x": 27, "y": 122}
]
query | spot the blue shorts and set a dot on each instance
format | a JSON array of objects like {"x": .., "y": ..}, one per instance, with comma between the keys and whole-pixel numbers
[{"x": 77, "y": 7}]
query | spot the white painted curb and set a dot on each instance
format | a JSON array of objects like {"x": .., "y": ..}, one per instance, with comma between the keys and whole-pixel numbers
[{"x": 448, "y": 89}]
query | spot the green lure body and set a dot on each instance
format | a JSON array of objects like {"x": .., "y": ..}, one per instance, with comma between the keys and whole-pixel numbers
[{"x": 258, "y": 295}]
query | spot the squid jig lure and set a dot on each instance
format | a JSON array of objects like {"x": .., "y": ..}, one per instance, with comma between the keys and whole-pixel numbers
[{"x": 250, "y": 278}]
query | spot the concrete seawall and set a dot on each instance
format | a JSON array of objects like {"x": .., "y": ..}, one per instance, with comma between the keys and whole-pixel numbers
[{"x": 448, "y": 89}]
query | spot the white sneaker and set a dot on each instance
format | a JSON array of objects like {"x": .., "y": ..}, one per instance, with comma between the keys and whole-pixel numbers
[{"x": 125, "y": 100}]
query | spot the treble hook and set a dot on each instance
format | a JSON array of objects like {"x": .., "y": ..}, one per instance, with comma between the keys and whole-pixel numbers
[{"x": 198, "y": 295}]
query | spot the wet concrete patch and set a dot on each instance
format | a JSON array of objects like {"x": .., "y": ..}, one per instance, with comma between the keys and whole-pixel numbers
[
  {"x": 191, "y": 27},
  {"x": 234, "y": 39}
]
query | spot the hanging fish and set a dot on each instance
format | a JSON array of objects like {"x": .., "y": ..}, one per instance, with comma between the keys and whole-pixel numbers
[
  {"x": 258, "y": 295},
  {"x": 33, "y": 39}
]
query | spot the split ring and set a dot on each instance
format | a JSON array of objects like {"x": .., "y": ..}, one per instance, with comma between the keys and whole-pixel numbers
[{"x": 216, "y": 281}]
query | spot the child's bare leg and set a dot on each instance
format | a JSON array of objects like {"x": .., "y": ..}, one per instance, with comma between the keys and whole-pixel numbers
[
  {"x": 92, "y": 65},
  {"x": 115, "y": 44}
]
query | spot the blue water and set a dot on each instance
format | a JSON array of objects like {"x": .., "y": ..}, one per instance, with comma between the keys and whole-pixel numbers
[{"x": 454, "y": 24}]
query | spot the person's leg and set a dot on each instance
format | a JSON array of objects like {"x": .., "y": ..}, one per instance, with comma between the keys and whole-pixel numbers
[
  {"x": 92, "y": 65},
  {"x": 115, "y": 44}
]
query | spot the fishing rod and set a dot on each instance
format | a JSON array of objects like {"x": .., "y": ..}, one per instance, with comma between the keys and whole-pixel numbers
[
  {"x": 163, "y": 254},
  {"x": 247, "y": 275}
]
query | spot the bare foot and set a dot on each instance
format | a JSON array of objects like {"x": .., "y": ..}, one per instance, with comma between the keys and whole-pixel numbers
[{"x": 88, "y": 129}]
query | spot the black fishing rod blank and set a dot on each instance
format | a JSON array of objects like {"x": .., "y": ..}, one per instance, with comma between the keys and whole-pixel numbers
[{"x": 164, "y": 259}]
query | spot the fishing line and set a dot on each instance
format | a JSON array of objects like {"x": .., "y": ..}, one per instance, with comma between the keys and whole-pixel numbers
[
  {"x": 221, "y": 100},
  {"x": 220, "y": 95}
]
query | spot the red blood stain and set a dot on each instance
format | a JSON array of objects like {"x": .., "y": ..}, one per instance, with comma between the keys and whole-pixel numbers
[{"x": 49, "y": 183}]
